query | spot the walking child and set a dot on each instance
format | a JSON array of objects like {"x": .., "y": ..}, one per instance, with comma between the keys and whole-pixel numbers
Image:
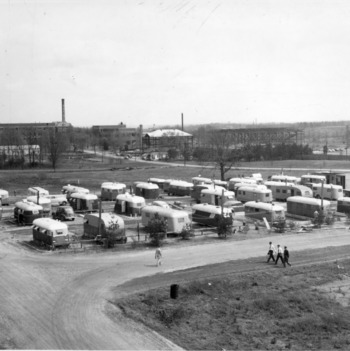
[{"x": 158, "y": 256}]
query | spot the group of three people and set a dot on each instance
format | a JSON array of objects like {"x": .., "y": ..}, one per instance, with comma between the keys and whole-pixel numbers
[{"x": 281, "y": 254}]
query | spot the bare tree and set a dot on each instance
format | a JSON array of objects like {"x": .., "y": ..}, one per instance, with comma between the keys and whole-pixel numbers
[
  {"x": 222, "y": 151},
  {"x": 56, "y": 142}
]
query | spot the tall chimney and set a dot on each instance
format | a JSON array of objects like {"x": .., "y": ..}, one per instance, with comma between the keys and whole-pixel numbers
[
  {"x": 182, "y": 121},
  {"x": 63, "y": 112}
]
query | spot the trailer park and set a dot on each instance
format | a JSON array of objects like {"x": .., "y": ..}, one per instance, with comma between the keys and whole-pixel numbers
[{"x": 251, "y": 203}]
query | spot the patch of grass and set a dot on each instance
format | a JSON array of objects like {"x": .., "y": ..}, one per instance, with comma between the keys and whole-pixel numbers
[{"x": 272, "y": 310}]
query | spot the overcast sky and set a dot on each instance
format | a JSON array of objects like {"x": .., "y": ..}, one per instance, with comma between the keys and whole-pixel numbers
[{"x": 146, "y": 62}]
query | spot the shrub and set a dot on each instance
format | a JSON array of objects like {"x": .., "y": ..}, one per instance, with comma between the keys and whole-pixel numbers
[{"x": 187, "y": 232}]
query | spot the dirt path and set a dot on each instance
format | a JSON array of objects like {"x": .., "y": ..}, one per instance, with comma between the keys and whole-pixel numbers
[{"x": 61, "y": 301}]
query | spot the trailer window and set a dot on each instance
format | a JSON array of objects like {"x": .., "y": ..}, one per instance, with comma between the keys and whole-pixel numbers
[
  {"x": 147, "y": 214},
  {"x": 181, "y": 220},
  {"x": 267, "y": 195},
  {"x": 278, "y": 190}
]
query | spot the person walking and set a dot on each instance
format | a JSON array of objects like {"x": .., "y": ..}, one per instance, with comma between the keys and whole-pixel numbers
[
  {"x": 158, "y": 256},
  {"x": 280, "y": 255},
  {"x": 286, "y": 256},
  {"x": 271, "y": 252}
]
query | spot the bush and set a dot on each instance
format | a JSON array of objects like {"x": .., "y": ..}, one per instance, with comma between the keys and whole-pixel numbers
[
  {"x": 224, "y": 227},
  {"x": 187, "y": 232}
]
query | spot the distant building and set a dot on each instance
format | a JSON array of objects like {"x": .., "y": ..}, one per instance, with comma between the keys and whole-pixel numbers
[
  {"x": 167, "y": 138},
  {"x": 125, "y": 138},
  {"x": 30, "y": 131}
]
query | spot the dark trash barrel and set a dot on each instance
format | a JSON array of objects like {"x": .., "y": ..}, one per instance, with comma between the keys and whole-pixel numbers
[{"x": 174, "y": 291}]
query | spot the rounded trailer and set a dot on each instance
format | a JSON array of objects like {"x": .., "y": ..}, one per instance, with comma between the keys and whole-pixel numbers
[
  {"x": 260, "y": 210},
  {"x": 210, "y": 215},
  {"x": 44, "y": 202},
  {"x": 216, "y": 196},
  {"x": 233, "y": 181},
  {"x": 305, "y": 206},
  {"x": 110, "y": 190},
  {"x": 129, "y": 204},
  {"x": 196, "y": 191},
  {"x": 166, "y": 184},
  {"x": 107, "y": 226},
  {"x": 147, "y": 190},
  {"x": 50, "y": 232},
  {"x": 57, "y": 199},
  {"x": 26, "y": 212},
  {"x": 84, "y": 202},
  {"x": 70, "y": 189},
  {"x": 247, "y": 193},
  {"x": 201, "y": 180},
  {"x": 176, "y": 220},
  {"x": 180, "y": 188},
  {"x": 158, "y": 181},
  {"x": 4, "y": 197}
]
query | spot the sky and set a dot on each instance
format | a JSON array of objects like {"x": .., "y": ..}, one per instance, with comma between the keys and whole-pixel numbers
[{"x": 148, "y": 61}]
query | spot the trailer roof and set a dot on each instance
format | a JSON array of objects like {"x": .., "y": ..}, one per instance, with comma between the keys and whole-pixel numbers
[
  {"x": 308, "y": 200},
  {"x": 211, "y": 208},
  {"x": 264, "y": 205},
  {"x": 28, "y": 206},
  {"x": 49, "y": 223},
  {"x": 167, "y": 212},
  {"x": 84, "y": 196}
]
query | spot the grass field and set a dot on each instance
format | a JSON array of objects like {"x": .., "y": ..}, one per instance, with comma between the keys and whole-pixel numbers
[
  {"x": 90, "y": 171},
  {"x": 274, "y": 310}
]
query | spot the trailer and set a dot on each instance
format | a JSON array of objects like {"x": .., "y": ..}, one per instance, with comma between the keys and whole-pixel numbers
[
  {"x": 284, "y": 178},
  {"x": 201, "y": 180},
  {"x": 158, "y": 181},
  {"x": 57, "y": 199},
  {"x": 196, "y": 191},
  {"x": 246, "y": 193},
  {"x": 37, "y": 191},
  {"x": 84, "y": 202},
  {"x": 129, "y": 204},
  {"x": 311, "y": 179},
  {"x": 50, "y": 232},
  {"x": 26, "y": 212},
  {"x": 233, "y": 181},
  {"x": 260, "y": 210},
  {"x": 281, "y": 191},
  {"x": 210, "y": 215},
  {"x": 216, "y": 196},
  {"x": 306, "y": 206},
  {"x": 147, "y": 190},
  {"x": 343, "y": 205},
  {"x": 180, "y": 188},
  {"x": 327, "y": 191},
  {"x": 70, "y": 189},
  {"x": 105, "y": 226},
  {"x": 4, "y": 197},
  {"x": 176, "y": 220},
  {"x": 44, "y": 202},
  {"x": 110, "y": 190}
]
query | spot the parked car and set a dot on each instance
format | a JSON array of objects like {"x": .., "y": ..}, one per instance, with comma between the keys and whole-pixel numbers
[{"x": 64, "y": 213}]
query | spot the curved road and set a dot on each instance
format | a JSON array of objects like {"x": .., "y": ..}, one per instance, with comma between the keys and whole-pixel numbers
[{"x": 62, "y": 301}]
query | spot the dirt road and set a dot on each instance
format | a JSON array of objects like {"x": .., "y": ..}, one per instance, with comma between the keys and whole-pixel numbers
[{"x": 61, "y": 301}]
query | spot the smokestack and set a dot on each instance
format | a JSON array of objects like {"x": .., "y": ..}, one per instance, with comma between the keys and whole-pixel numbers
[
  {"x": 63, "y": 112},
  {"x": 182, "y": 121}
]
